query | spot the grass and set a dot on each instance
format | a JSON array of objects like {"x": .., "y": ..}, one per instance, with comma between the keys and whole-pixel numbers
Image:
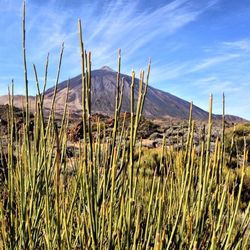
[{"x": 111, "y": 199}]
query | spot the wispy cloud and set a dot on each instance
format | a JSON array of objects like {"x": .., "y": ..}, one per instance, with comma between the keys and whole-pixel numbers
[
  {"x": 243, "y": 44},
  {"x": 126, "y": 26},
  {"x": 209, "y": 62},
  {"x": 172, "y": 71},
  {"x": 120, "y": 24}
]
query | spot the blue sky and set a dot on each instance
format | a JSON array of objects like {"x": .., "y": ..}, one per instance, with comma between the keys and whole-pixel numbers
[{"x": 197, "y": 47}]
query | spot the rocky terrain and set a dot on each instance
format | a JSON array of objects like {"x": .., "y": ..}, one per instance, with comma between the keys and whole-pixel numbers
[
  {"x": 151, "y": 132},
  {"x": 18, "y": 117}
]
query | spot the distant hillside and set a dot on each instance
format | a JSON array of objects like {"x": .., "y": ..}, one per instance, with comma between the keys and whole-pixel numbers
[{"x": 158, "y": 104}]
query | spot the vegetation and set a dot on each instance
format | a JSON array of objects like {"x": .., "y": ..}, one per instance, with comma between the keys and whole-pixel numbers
[
  {"x": 107, "y": 198},
  {"x": 235, "y": 140}
]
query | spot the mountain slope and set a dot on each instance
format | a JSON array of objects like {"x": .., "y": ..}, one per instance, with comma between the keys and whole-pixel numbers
[{"x": 158, "y": 104}]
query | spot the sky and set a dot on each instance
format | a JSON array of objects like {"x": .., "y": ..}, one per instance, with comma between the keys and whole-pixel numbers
[{"x": 197, "y": 47}]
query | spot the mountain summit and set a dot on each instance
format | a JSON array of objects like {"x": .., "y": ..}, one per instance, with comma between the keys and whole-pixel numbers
[{"x": 107, "y": 68}]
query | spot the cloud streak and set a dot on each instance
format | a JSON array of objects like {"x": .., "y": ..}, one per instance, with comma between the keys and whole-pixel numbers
[{"x": 120, "y": 24}]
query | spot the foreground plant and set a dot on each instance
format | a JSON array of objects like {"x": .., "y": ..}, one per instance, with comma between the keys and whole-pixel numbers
[{"x": 103, "y": 199}]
